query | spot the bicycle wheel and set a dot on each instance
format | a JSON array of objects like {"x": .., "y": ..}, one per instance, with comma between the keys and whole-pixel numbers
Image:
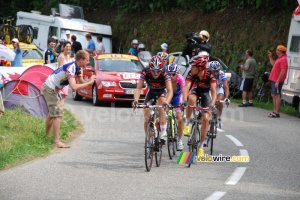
[
  {"x": 170, "y": 141},
  {"x": 175, "y": 135},
  {"x": 149, "y": 147},
  {"x": 158, "y": 149},
  {"x": 212, "y": 134},
  {"x": 193, "y": 141}
]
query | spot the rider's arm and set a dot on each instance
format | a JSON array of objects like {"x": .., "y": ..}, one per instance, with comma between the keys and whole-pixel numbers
[
  {"x": 226, "y": 88},
  {"x": 186, "y": 89},
  {"x": 169, "y": 91},
  {"x": 138, "y": 89},
  {"x": 213, "y": 92}
]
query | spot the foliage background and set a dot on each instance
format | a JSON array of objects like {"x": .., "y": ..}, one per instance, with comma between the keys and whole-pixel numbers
[{"x": 234, "y": 25}]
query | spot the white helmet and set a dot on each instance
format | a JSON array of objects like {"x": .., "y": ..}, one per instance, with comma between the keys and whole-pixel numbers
[
  {"x": 141, "y": 46},
  {"x": 204, "y": 33},
  {"x": 204, "y": 53},
  {"x": 135, "y": 41}
]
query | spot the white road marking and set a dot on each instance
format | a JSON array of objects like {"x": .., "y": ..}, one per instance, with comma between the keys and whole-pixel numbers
[
  {"x": 216, "y": 195},
  {"x": 244, "y": 152},
  {"x": 236, "y": 176},
  {"x": 236, "y": 141}
]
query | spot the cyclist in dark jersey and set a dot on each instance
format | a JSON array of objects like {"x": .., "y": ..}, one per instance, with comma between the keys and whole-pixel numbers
[
  {"x": 159, "y": 88},
  {"x": 202, "y": 82}
]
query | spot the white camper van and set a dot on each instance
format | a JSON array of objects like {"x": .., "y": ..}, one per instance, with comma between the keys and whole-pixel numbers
[
  {"x": 291, "y": 86},
  {"x": 69, "y": 18}
]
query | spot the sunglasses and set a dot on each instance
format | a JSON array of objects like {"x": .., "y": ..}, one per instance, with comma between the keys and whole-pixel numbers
[
  {"x": 52, "y": 44},
  {"x": 156, "y": 70},
  {"x": 172, "y": 74}
]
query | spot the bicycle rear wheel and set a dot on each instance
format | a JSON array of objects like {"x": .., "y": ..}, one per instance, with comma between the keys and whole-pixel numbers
[
  {"x": 171, "y": 147},
  {"x": 158, "y": 150},
  {"x": 149, "y": 147},
  {"x": 212, "y": 134}
]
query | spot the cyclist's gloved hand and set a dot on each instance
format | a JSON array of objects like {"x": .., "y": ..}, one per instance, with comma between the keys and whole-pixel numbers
[
  {"x": 213, "y": 108},
  {"x": 185, "y": 104},
  {"x": 165, "y": 105},
  {"x": 134, "y": 104},
  {"x": 227, "y": 101}
]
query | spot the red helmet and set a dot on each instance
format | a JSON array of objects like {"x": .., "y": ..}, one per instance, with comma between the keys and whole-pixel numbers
[
  {"x": 200, "y": 61},
  {"x": 156, "y": 62}
]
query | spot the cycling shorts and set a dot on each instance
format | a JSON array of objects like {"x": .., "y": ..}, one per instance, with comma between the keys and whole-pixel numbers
[
  {"x": 176, "y": 101},
  {"x": 205, "y": 97},
  {"x": 152, "y": 94}
]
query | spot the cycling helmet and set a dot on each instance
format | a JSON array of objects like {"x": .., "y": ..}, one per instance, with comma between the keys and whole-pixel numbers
[
  {"x": 214, "y": 65},
  {"x": 135, "y": 41},
  {"x": 156, "y": 62},
  {"x": 141, "y": 47},
  {"x": 204, "y": 33},
  {"x": 200, "y": 61},
  {"x": 173, "y": 68}
]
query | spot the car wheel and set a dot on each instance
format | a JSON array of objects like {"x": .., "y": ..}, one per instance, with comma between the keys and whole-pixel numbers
[
  {"x": 96, "y": 101},
  {"x": 76, "y": 96}
]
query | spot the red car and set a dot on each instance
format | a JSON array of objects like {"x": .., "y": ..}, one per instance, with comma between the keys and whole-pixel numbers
[{"x": 117, "y": 77}]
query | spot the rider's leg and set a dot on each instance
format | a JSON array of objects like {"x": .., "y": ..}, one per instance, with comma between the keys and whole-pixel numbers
[
  {"x": 180, "y": 124},
  {"x": 204, "y": 128},
  {"x": 146, "y": 118},
  {"x": 191, "y": 102},
  {"x": 162, "y": 117}
]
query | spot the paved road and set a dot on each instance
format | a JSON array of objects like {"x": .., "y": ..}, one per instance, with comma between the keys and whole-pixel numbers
[{"x": 106, "y": 161}]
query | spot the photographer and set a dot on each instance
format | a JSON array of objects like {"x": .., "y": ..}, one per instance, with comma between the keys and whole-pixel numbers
[{"x": 197, "y": 43}]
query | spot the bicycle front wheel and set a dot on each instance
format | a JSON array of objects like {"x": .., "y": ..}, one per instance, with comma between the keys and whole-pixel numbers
[
  {"x": 149, "y": 147},
  {"x": 212, "y": 135},
  {"x": 193, "y": 140},
  {"x": 171, "y": 147}
]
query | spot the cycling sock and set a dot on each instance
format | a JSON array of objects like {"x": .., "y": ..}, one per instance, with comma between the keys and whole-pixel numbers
[
  {"x": 250, "y": 101},
  {"x": 244, "y": 101},
  {"x": 187, "y": 122},
  {"x": 201, "y": 144},
  {"x": 163, "y": 128}
]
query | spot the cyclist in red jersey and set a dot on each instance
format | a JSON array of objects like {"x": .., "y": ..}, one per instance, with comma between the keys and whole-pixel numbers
[
  {"x": 160, "y": 89},
  {"x": 202, "y": 82}
]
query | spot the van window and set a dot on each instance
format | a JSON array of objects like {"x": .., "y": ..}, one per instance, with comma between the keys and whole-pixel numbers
[{"x": 295, "y": 44}]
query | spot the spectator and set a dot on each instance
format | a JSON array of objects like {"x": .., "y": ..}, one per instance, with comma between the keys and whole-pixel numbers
[
  {"x": 133, "y": 49},
  {"x": 164, "y": 53},
  {"x": 101, "y": 48},
  {"x": 62, "y": 59},
  {"x": 76, "y": 46},
  {"x": 48, "y": 54},
  {"x": 141, "y": 47},
  {"x": 17, "y": 62},
  {"x": 63, "y": 76},
  {"x": 2, "y": 62},
  {"x": 248, "y": 75},
  {"x": 277, "y": 77},
  {"x": 68, "y": 36},
  {"x": 91, "y": 44},
  {"x": 56, "y": 51}
]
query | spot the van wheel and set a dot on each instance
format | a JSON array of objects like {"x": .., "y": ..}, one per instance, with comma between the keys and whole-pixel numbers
[
  {"x": 96, "y": 101},
  {"x": 76, "y": 96}
]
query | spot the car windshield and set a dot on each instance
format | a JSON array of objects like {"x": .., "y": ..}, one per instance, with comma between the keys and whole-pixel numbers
[
  {"x": 114, "y": 65},
  {"x": 32, "y": 54}
]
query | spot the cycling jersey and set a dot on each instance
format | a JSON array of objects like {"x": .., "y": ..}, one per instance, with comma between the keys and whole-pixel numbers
[
  {"x": 60, "y": 77},
  {"x": 132, "y": 51},
  {"x": 177, "y": 96},
  {"x": 158, "y": 84},
  {"x": 221, "y": 77},
  {"x": 202, "y": 85}
]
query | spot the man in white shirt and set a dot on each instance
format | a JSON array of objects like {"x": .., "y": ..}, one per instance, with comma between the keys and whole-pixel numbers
[{"x": 101, "y": 49}]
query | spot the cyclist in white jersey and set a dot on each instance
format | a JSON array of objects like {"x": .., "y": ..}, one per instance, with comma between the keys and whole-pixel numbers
[{"x": 222, "y": 87}]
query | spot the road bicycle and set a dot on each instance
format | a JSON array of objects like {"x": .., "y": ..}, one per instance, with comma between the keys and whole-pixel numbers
[
  {"x": 172, "y": 126},
  {"x": 153, "y": 145},
  {"x": 262, "y": 89},
  {"x": 195, "y": 133}
]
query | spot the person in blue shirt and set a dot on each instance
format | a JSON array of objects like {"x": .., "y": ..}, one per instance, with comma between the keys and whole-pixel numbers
[
  {"x": 17, "y": 62},
  {"x": 133, "y": 50},
  {"x": 48, "y": 54},
  {"x": 91, "y": 44}
]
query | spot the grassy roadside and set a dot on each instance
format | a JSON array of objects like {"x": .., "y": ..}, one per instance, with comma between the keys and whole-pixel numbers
[
  {"x": 22, "y": 137},
  {"x": 285, "y": 108}
]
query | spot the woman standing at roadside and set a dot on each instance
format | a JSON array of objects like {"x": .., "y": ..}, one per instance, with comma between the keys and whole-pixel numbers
[{"x": 63, "y": 58}]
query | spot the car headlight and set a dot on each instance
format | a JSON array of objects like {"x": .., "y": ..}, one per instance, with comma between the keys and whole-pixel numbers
[{"x": 108, "y": 83}]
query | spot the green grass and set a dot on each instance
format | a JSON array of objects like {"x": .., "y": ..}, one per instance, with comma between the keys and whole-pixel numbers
[
  {"x": 22, "y": 137},
  {"x": 285, "y": 108}
]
